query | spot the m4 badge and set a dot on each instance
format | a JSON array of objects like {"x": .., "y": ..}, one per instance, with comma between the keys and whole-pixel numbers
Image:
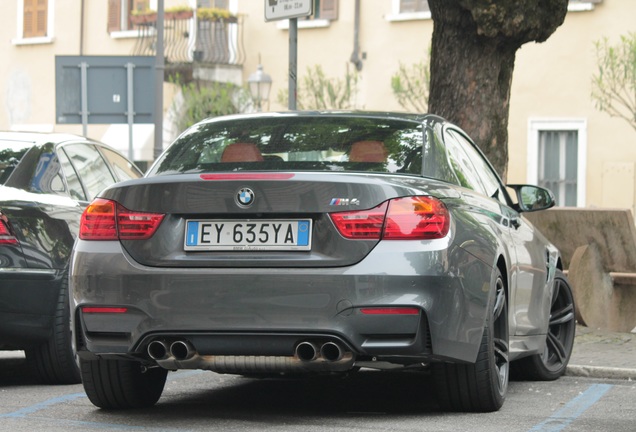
[{"x": 344, "y": 201}]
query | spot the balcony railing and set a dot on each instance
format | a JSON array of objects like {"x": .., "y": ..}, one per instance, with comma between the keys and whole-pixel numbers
[{"x": 188, "y": 40}]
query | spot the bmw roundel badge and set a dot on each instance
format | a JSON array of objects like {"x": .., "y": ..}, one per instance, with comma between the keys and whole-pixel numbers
[{"x": 245, "y": 197}]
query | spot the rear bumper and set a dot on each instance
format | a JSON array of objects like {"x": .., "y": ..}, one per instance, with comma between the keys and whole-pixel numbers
[{"x": 267, "y": 312}]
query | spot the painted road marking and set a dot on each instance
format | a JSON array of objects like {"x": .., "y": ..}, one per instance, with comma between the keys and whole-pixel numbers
[
  {"x": 573, "y": 409},
  {"x": 43, "y": 405}
]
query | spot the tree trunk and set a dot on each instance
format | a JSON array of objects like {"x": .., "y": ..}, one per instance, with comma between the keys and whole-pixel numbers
[{"x": 472, "y": 60}]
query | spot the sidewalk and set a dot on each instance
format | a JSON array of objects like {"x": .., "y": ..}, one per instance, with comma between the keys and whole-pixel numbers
[{"x": 603, "y": 354}]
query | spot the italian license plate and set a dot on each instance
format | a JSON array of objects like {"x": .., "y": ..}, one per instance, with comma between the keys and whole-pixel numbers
[{"x": 226, "y": 235}]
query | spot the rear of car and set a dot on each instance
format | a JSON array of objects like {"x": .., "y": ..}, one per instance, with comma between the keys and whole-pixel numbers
[
  {"x": 43, "y": 192},
  {"x": 286, "y": 243}
]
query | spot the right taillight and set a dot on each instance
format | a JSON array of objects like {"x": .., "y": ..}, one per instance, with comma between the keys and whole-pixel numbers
[
  {"x": 418, "y": 217},
  {"x": 409, "y": 218},
  {"x": 107, "y": 220}
]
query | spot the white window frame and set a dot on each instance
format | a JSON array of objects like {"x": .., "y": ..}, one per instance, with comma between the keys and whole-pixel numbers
[
  {"x": 123, "y": 18},
  {"x": 560, "y": 124},
  {"x": 396, "y": 15},
  {"x": 304, "y": 23},
  {"x": 50, "y": 27},
  {"x": 581, "y": 6}
]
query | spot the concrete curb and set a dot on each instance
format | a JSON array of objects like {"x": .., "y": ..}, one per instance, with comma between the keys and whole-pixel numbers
[{"x": 601, "y": 372}]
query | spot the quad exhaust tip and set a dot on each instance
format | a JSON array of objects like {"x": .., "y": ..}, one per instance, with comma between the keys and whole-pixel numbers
[
  {"x": 309, "y": 351},
  {"x": 306, "y": 351},
  {"x": 180, "y": 350}
]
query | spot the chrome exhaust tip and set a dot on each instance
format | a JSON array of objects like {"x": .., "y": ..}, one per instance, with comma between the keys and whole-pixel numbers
[
  {"x": 331, "y": 351},
  {"x": 306, "y": 351},
  {"x": 182, "y": 350},
  {"x": 157, "y": 350}
]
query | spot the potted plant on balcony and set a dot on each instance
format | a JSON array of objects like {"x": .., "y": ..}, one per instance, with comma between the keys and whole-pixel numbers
[
  {"x": 216, "y": 14},
  {"x": 144, "y": 16},
  {"x": 179, "y": 13}
]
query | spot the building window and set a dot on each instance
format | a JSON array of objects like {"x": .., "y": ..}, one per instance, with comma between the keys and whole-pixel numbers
[
  {"x": 582, "y": 5},
  {"x": 35, "y": 18},
  {"x": 408, "y": 10},
  {"x": 119, "y": 12},
  {"x": 556, "y": 159},
  {"x": 410, "y": 6},
  {"x": 35, "y": 22},
  {"x": 218, "y": 4},
  {"x": 558, "y": 154},
  {"x": 326, "y": 9}
]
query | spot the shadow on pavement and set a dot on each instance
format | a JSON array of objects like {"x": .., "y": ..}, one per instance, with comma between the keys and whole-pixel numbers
[{"x": 14, "y": 370}]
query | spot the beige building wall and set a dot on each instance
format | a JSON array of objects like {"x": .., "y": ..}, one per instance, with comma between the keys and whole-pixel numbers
[
  {"x": 28, "y": 78},
  {"x": 551, "y": 84},
  {"x": 384, "y": 43}
]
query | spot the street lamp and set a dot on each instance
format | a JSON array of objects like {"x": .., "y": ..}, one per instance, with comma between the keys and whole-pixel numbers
[{"x": 259, "y": 83}]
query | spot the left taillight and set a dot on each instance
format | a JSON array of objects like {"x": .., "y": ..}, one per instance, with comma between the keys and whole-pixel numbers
[
  {"x": 108, "y": 220},
  {"x": 408, "y": 218},
  {"x": 6, "y": 235}
]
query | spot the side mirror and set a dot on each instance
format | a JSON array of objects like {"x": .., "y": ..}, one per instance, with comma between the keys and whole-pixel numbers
[{"x": 532, "y": 198}]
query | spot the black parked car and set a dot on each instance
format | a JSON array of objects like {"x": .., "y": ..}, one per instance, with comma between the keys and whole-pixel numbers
[
  {"x": 319, "y": 243},
  {"x": 46, "y": 180}
]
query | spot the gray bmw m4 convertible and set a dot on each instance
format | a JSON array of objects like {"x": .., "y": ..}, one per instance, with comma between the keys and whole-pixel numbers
[{"x": 304, "y": 243}]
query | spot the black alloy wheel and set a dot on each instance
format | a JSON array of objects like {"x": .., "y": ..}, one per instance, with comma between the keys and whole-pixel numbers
[
  {"x": 501, "y": 338},
  {"x": 552, "y": 362}
]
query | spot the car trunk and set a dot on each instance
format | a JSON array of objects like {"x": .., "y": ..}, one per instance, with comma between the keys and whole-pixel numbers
[{"x": 209, "y": 207}]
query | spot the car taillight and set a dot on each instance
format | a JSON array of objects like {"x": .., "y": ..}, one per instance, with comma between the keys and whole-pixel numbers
[
  {"x": 107, "y": 220},
  {"x": 418, "y": 217},
  {"x": 409, "y": 218},
  {"x": 364, "y": 224},
  {"x": 6, "y": 237}
]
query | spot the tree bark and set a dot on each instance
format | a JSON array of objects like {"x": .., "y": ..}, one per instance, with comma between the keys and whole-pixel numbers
[{"x": 472, "y": 61}]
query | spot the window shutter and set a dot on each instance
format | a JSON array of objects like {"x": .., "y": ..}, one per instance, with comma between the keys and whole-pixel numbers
[
  {"x": 35, "y": 18},
  {"x": 114, "y": 15},
  {"x": 328, "y": 9}
]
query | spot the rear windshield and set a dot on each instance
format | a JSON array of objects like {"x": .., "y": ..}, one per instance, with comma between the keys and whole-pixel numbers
[
  {"x": 10, "y": 154},
  {"x": 297, "y": 143}
]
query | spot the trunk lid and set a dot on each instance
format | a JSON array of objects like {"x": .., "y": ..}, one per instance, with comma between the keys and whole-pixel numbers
[{"x": 277, "y": 197}]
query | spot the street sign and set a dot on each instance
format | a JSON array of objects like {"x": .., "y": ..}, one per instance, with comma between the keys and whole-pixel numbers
[
  {"x": 285, "y": 9},
  {"x": 95, "y": 89}
]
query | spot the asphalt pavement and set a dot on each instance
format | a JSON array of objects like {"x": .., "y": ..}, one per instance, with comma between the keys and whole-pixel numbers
[{"x": 599, "y": 353}]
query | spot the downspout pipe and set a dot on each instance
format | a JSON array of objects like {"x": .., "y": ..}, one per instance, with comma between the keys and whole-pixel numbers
[
  {"x": 81, "y": 47},
  {"x": 355, "y": 55},
  {"x": 159, "y": 70}
]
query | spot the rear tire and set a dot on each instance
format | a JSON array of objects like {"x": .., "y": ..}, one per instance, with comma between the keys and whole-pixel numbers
[
  {"x": 482, "y": 386},
  {"x": 54, "y": 362},
  {"x": 553, "y": 361},
  {"x": 121, "y": 384}
]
